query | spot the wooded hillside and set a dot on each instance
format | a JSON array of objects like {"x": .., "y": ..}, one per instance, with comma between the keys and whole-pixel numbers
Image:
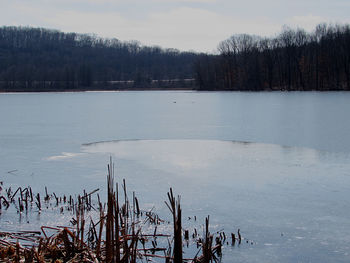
[
  {"x": 42, "y": 59},
  {"x": 293, "y": 60},
  {"x": 36, "y": 59}
]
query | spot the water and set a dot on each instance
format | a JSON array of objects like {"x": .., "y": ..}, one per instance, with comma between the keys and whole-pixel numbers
[{"x": 276, "y": 165}]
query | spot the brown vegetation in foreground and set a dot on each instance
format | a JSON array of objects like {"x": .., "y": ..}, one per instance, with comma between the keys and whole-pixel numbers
[{"x": 117, "y": 235}]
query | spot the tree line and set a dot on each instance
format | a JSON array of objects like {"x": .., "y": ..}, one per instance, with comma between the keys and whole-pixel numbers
[
  {"x": 293, "y": 60},
  {"x": 37, "y": 59}
]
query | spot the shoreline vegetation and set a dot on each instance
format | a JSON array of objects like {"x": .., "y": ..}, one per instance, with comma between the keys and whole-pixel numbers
[
  {"x": 44, "y": 60},
  {"x": 51, "y": 86},
  {"x": 115, "y": 231}
]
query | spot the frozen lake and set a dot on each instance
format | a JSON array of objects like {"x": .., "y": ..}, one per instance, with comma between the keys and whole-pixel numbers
[{"x": 276, "y": 165}]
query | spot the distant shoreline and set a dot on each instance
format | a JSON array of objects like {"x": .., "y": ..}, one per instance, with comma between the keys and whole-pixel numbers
[
  {"x": 155, "y": 85},
  {"x": 158, "y": 89},
  {"x": 96, "y": 90}
]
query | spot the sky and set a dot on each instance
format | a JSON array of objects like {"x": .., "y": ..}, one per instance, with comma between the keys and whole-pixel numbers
[{"x": 187, "y": 25}]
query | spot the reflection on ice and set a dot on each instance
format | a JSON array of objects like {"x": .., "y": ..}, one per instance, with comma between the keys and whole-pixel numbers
[
  {"x": 64, "y": 155},
  {"x": 192, "y": 155}
]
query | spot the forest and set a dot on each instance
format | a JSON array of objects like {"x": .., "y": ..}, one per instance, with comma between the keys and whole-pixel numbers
[
  {"x": 38, "y": 59},
  {"x": 293, "y": 60}
]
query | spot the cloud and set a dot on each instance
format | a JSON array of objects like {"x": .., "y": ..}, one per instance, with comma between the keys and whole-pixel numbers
[
  {"x": 87, "y": 1},
  {"x": 307, "y": 22},
  {"x": 310, "y": 21},
  {"x": 186, "y": 1},
  {"x": 194, "y": 28},
  {"x": 63, "y": 156},
  {"x": 183, "y": 28},
  {"x": 182, "y": 24},
  {"x": 132, "y": 1},
  {"x": 107, "y": 25}
]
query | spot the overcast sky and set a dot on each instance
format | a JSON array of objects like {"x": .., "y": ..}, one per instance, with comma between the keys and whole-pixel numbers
[{"x": 183, "y": 24}]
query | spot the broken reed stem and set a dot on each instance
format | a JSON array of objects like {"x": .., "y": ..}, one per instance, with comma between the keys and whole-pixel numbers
[
  {"x": 82, "y": 222},
  {"x": 99, "y": 240},
  {"x": 207, "y": 244},
  {"x": 116, "y": 219},
  {"x": 110, "y": 219},
  {"x": 121, "y": 224},
  {"x": 175, "y": 208}
]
